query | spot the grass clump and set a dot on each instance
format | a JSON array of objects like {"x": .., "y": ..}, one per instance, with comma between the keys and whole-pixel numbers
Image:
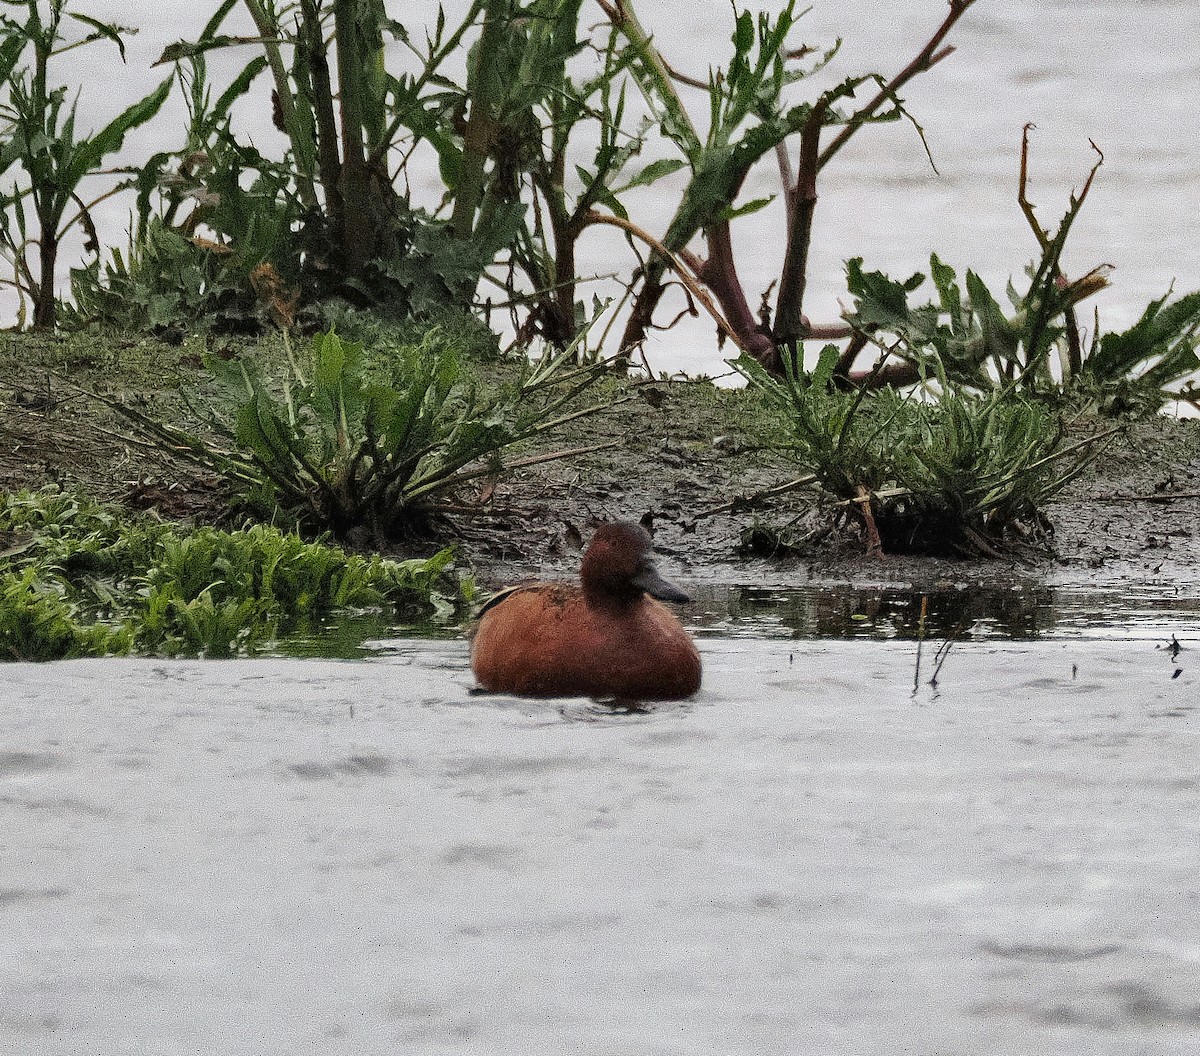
[
  {"x": 951, "y": 472},
  {"x": 351, "y": 439},
  {"x": 971, "y": 472},
  {"x": 77, "y": 579}
]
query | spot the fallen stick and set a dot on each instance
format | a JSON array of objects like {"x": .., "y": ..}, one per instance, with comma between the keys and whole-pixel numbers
[
  {"x": 1157, "y": 497},
  {"x": 741, "y": 501}
]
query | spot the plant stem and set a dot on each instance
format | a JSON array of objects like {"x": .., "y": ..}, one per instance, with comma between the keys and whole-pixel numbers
[
  {"x": 485, "y": 90},
  {"x": 316, "y": 62},
  {"x": 360, "y": 231},
  {"x": 719, "y": 274},
  {"x": 928, "y": 57},
  {"x": 674, "y": 262},
  {"x": 283, "y": 92},
  {"x": 622, "y": 16},
  {"x": 790, "y": 324}
]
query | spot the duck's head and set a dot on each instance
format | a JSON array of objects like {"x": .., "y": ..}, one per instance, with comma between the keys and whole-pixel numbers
[{"x": 619, "y": 565}]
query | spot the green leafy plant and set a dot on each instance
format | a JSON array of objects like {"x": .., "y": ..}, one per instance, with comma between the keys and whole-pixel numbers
[
  {"x": 750, "y": 116},
  {"x": 38, "y": 134},
  {"x": 547, "y": 141},
  {"x": 971, "y": 341},
  {"x": 972, "y": 470},
  {"x": 347, "y": 440},
  {"x": 88, "y": 581},
  {"x": 360, "y": 237},
  {"x": 166, "y": 282},
  {"x": 948, "y": 473},
  {"x": 39, "y": 622},
  {"x": 328, "y": 217},
  {"x": 1140, "y": 369},
  {"x": 333, "y": 178},
  {"x": 208, "y": 214},
  {"x": 826, "y": 430},
  {"x": 968, "y": 339}
]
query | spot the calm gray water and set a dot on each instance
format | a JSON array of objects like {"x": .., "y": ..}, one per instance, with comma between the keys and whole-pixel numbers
[
  {"x": 1124, "y": 75},
  {"x": 810, "y": 857}
]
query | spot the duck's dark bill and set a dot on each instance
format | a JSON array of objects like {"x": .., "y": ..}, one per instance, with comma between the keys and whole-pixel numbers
[{"x": 653, "y": 584}]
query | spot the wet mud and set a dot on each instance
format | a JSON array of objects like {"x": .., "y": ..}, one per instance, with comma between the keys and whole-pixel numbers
[{"x": 682, "y": 450}]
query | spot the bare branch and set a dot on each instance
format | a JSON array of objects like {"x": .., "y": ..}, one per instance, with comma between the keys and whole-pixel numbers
[
  {"x": 928, "y": 57},
  {"x": 681, "y": 269}
]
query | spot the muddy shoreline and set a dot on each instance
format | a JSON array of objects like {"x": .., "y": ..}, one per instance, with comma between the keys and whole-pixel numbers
[
  {"x": 1130, "y": 519},
  {"x": 680, "y": 449}
]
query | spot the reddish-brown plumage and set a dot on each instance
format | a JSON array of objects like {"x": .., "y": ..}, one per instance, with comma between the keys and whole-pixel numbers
[{"x": 604, "y": 638}]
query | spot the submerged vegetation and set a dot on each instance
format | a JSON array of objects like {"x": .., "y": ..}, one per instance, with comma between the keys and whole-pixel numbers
[
  {"x": 80, "y": 579},
  {"x": 940, "y": 425}
]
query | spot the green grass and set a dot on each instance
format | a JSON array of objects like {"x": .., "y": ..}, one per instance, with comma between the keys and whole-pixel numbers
[{"x": 953, "y": 473}]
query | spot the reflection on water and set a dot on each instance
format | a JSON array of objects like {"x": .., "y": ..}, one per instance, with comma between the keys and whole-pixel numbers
[
  {"x": 353, "y": 636},
  {"x": 960, "y": 611}
]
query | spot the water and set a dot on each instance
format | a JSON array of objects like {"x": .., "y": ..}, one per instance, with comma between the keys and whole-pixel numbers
[
  {"x": 278, "y": 856},
  {"x": 957, "y": 611},
  {"x": 963, "y": 612},
  {"x": 1122, "y": 76},
  {"x": 821, "y": 853}
]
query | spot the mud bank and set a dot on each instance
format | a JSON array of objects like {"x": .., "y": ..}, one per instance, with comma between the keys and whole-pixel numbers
[{"x": 683, "y": 450}]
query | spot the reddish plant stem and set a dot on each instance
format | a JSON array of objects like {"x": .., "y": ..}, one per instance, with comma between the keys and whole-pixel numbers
[
  {"x": 329, "y": 166},
  {"x": 719, "y": 274},
  {"x": 1074, "y": 349},
  {"x": 559, "y": 324},
  {"x": 928, "y": 57},
  {"x": 790, "y": 324},
  {"x": 719, "y": 271},
  {"x": 874, "y": 543},
  {"x": 685, "y": 265},
  {"x": 897, "y": 375},
  {"x": 845, "y": 363}
]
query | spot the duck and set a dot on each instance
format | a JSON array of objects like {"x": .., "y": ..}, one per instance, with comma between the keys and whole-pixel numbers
[{"x": 609, "y": 637}]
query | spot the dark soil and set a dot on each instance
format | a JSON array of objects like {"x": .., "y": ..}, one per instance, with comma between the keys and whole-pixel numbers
[{"x": 681, "y": 450}]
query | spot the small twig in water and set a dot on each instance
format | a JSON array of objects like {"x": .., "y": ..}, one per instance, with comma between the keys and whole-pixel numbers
[
  {"x": 920, "y": 641},
  {"x": 943, "y": 651}
]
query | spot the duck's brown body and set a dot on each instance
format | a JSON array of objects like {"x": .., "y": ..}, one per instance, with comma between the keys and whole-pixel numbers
[{"x": 606, "y": 638}]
